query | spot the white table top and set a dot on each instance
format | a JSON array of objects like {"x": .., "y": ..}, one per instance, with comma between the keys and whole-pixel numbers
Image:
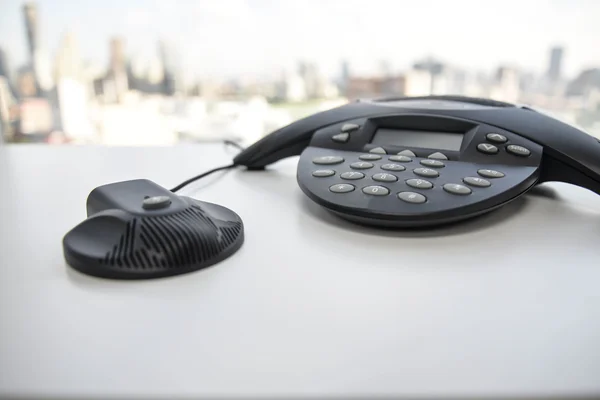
[{"x": 311, "y": 306}]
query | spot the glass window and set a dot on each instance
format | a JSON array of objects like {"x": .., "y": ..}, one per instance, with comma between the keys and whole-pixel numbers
[{"x": 132, "y": 72}]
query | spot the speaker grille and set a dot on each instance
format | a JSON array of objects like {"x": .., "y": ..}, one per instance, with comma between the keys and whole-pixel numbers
[{"x": 177, "y": 240}]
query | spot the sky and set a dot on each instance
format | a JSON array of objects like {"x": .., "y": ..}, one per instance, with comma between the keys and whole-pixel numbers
[{"x": 228, "y": 38}]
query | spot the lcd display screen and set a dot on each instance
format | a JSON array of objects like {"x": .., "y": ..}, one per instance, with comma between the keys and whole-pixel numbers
[{"x": 425, "y": 139}]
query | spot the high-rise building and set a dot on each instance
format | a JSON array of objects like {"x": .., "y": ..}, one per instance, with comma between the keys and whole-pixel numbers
[
  {"x": 172, "y": 80},
  {"x": 117, "y": 82},
  {"x": 310, "y": 74},
  {"x": 68, "y": 58},
  {"x": 30, "y": 12},
  {"x": 39, "y": 61},
  {"x": 555, "y": 65},
  {"x": 4, "y": 65},
  {"x": 72, "y": 90}
]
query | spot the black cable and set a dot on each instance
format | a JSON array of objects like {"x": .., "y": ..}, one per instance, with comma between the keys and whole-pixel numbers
[
  {"x": 202, "y": 175},
  {"x": 234, "y": 144}
]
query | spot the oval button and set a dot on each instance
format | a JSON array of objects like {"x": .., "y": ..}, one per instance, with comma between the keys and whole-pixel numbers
[
  {"x": 412, "y": 197},
  {"x": 478, "y": 182},
  {"x": 427, "y": 172},
  {"x": 383, "y": 177},
  {"x": 341, "y": 188},
  {"x": 322, "y": 173},
  {"x": 376, "y": 191}
]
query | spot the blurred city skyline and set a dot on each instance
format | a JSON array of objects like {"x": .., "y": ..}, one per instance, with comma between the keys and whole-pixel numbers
[
  {"x": 234, "y": 38},
  {"x": 120, "y": 77}
]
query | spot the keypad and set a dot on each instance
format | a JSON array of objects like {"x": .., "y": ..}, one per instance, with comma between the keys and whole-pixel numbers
[
  {"x": 490, "y": 173},
  {"x": 419, "y": 183},
  {"x": 478, "y": 182},
  {"x": 456, "y": 188},
  {"x": 412, "y": 197},
  {"x": 352, "y": 175},
  {"x": 393, "y": 167},
  {"x": 384, "y": 177},
  {"x": 432, "y": 163},
  {"x": 370, "y": 157},
  {"x": 328, "y": 160},
  {"x": 426, "y": 172},
  {"x": 361, "y": 165},
  {"x": 322, "y": 173},
  {"x": 487, "y": 148},
  {"x": 341, "y": 188},
  {"x": 518, "y": 150},
  {"x": 415, "y": 185}
]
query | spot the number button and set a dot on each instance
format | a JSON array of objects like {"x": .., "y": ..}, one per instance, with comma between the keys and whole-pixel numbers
[
  {"x": 370, "y": 157},
  {"x": 478, "y": 182},
  {"x": 385, "y": 177},
  {"x": 400, "y": 158},
  {"x": 352, "y": 175},
  {"x": 455, "y": 188},
  {"x": 322, "y": 173},
  {"x": 419, "y": 183},
  {"x": 376, "y": 191},
  {"x": 361, "y": 165},
  {"x": 490, "y": 173},
  {"x": 328, "y": 160},
  {"x": 393, "y": 167},
  {"x": 341, "y": 188},
  {"x": 433, "y": 163},
  {"x": 427, "y": 172}
]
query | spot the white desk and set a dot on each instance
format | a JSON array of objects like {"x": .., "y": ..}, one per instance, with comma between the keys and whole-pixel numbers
[{"x": 311, "y": 306}]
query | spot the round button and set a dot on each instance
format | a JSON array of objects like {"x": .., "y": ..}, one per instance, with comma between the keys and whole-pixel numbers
[
  {"x": 406, "y": 153},
  {"x": 383, "y": 177},
  {"x": 438, "y": 156},
  {"x": 419, "y": 183},
  {"x": 393, "y": 167},
  {"x": 455, "y": 188},
  {"x": 490, "y": 173},
  {"x": 378, "y": 150},
  {"x": 518, "y": 150},
  {"x": 427, "y": 172},
  {"x": 400, "y": 158},
  {"x": 478, "y": 182},
  {"x": 322, "y": 173},
  {"x": 433, "y": 163},
  {"x": 376, "y": 191},
  {"x": 352, "y": 175},
  {"x": 361, "y": 165},
  {"x": 156, "y": 202},
  {"x": 370, "y": 157},
  {"x": 496, "y": 138},
  {"x": 341, "y": 188},
  {"x": 412, "y": 197},
  {"x": 328, "y": 160},
  {"x": 487, "y": 148}
]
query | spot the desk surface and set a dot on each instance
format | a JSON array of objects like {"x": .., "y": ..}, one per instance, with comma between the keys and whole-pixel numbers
[{"x": 504, "y": 305}]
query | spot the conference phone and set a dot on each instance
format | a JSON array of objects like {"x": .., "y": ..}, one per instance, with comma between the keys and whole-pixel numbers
[
  {"x": 414, "y": 162},
  {"x": 395, "y": 162}
]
